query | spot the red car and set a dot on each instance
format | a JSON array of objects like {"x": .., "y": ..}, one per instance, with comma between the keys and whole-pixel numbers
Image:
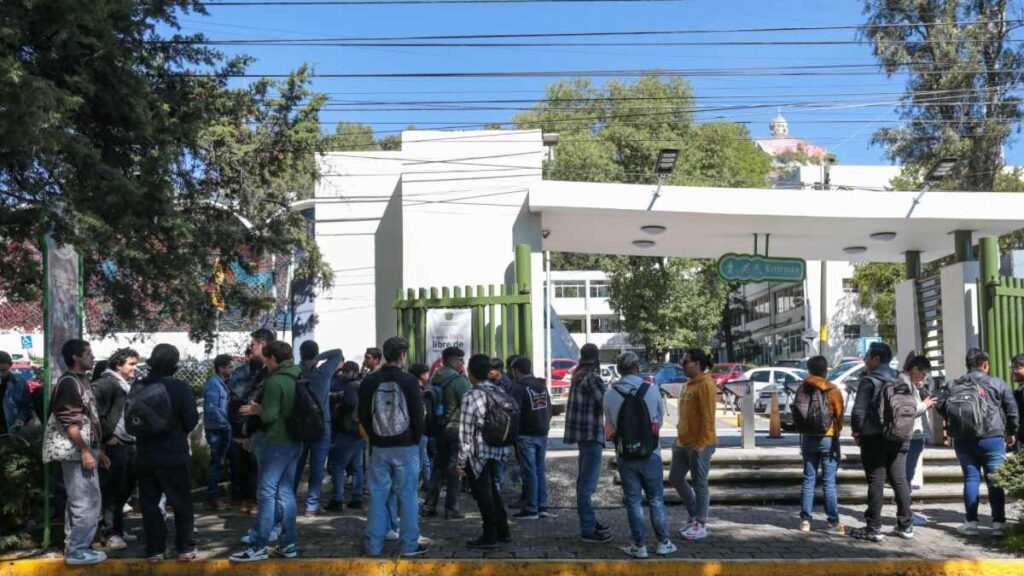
[
  {"x": 727, "y": 372},
  {"x": 560, "y": 366},
  {"x": 28, "y": 372}
]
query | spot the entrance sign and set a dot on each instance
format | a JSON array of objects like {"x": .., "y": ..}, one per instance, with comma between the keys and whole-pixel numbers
[
  {"x": 448, "y": 327},
  {"x": 865, "y": 342},
  {"x": 749, "y": 268}
]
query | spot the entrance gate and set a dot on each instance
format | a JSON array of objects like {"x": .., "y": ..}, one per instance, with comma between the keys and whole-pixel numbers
[
  {"x": 502, "y": 314},
  {"x": 1002, "y": 306}
]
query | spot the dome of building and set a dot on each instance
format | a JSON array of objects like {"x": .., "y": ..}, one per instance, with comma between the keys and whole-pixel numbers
[{"x": 779, "y": 127}]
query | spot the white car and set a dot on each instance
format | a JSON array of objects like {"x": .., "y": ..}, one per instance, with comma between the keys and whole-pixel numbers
[{"x": 763, "y": 377}]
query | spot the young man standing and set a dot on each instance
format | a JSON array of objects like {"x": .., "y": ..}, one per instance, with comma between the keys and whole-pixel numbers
[
  {"x": 421, "y": 372},
  {"x": 584, "y": 426},
  {"x": 217, "y": 427},
  {"x": 454, "y": 386},
  {"x": 75, "y": 419},
  {"x": 640, "y": 474},
  {"x": 980, "y": 444},
  {"x": 318, "y": 369},
  {"x": 15, "y": 399},
  {"x": 534, "y": 402},
  {"x": 371, "y": 361},
  {"x": 117, "y": 482},
  {"x": 348, "y": 445},
  {"x": 881, "y": 458},
  {"x": 391, "y": 416},
  {"x": 478, "y": 460},
  {"x": 278, "y": 457},
  {"x": 695, "y": 441},
  {"x": 819, "y": 448}
]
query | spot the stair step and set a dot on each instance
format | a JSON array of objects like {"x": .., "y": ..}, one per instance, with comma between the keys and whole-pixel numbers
[
  {"x": 847, "y": 494},
  {"x": 794, "y": 476},
  {"x": 769, "y": 458}
]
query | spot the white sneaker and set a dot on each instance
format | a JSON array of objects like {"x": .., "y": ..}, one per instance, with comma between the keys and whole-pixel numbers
[
  {"x": 968, "y": 529},
  {"x": 116, "y": 543},
  {"x": 392, "y": 535},
  {"x": 665, "y": 548},
  {"x": 998, "y": 528},
  {"x": 696, "y": 532},
  {"x": 635, "y": 551},
  {"x": 805, "y": 525},
  {"x": 274, "y": 537},
  {"x": 687, "y": 527}
]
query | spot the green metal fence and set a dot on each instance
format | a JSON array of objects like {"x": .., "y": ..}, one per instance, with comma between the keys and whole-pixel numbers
[
  {"x": 502, "y": 314},
  {"x": 1002, "y": 307}
]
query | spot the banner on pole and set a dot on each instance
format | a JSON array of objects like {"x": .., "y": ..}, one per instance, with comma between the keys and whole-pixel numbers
[
  {"x": 447, "y": 327},
  {"x": 63, "y": 321}
]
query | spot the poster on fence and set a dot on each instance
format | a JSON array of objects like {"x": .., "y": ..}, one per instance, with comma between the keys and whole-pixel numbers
[
  {"x": 63, "y": 321},
  {"x": 447, "y": 327}
]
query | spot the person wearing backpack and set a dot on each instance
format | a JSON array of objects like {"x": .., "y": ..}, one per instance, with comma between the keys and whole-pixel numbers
[
  {"x": 421, "y": 372},
  {"x": 531, "y": 393},
  {"x": 982, "y": 419},
  {"x": 317, "y": 370},
  {"x": 278, "y": 456},
  {"x": 391, "y": 417},
  {"x": 883, "y": 454},
  {"x": 452, "y": 385},
  {"x": 633, "y": 414},
  {"x": 163, "y": 459},
  {"x": 584, "y": 426},
  {"x": 695, "y": 441},
  {"x": 818, "y": 415},
  {"x": 348, "y": 446},
  {"x": 487, "y": 432}
]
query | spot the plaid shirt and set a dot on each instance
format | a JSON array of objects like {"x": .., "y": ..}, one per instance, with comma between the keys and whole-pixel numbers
[
  {"x": 472, "y": 448},
  {"x": 584, "y": 414}
]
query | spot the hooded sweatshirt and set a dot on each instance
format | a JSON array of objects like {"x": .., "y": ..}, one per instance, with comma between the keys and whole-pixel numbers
[
  {"x": 454, "y": 391},
  {"x": 278, "y": 402},
  {"x": 835, "y": 400},
  {"x": 1002, "y": 416},
  {"x": 629, "y": 386},
  {"x": 534, "y": 405},
  {"x": 696, "y": 426}
]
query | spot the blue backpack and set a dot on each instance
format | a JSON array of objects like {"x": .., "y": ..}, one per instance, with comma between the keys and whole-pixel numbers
[{"x": 433, "y": 407}]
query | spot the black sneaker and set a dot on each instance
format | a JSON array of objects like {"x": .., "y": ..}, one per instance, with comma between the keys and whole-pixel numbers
[
  {"x": 419, "y": 551},
  {"x": 866, "y": 534},
  {"x": 596, "y": 538},
  {"x": 482, "y": 543},
  {"x": 524, "y": 515},
  {"x": 545, "y": 513},
  {"x": 355, "y": 505},
  {"x": 334, "y": 506},
  {"x": 601, "y": 528},
  {"x": 453, "y": 515},
  {"x": 428, "y": 512}
]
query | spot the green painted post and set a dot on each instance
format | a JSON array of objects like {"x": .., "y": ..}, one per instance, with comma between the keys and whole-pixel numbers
[
  {"x": 457, "y": 292},
  {"x": 412, "y": 335},
  {"x": 505, "y": 352},
  {"x": 962, "y": 243},
  {"x": 1003, "y": 359},
  {"x": 481, "y": 322},
  {"x": 421, "y": 314},
  {"x": 46, "y": 387},
  {"x": 446, "y": 292},
  {"x": 524, "y": 281},
  {"x": 400, "y": 313},
  {"x": 912, "y": 261},
  {"x": 989, "y": 280},
  {"x": 514, "y": 313},
  {"x": 492, "y": 342}
]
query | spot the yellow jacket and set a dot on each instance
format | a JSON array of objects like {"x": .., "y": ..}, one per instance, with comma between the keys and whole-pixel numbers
[{"x": 697, "y": 401}]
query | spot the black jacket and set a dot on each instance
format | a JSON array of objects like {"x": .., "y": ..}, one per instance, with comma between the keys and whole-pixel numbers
[
  {"x": 410, "y": 388},
  {"x": 110, "y": 402},
  {"x": 864, "y": 418},
  {"x": 1002, "y": 415},
  {"x": 170, "y": 448},
  {"x": 534, "y": 405}
]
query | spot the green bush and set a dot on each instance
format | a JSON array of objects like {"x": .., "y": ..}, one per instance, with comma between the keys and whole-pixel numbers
[
  {"x": 1011, "y": 476},
  {"x": 21, "y": 478}
]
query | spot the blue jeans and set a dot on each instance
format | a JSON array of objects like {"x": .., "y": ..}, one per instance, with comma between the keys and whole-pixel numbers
[
  {"x": 975, "y": 456},
  {"x": 588, "y": 473},
  {"x": 276, "y": 492},
  {"x": 425, "y": 466},
  {"x": 686, "y": 460},
  {"x": 219, "y": 442},
  {"x": 346, "y": 450},
  {"x": 817, "y": 452},
  {"x": 532, "y": 452},
  {"x": 317, "y": 460},
  {"x": 913, "y": 455},
  {"x": 647, "y": 476},
  {"x": 398, "y": 468}
]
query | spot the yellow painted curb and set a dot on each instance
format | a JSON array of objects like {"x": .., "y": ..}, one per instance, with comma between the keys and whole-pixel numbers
[{"x": 368, "y": 567}]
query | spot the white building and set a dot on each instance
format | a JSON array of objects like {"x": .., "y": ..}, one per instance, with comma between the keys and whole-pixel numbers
[{"x": 580, "y": 299}]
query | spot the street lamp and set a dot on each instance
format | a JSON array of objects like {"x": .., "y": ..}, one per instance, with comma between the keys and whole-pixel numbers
[
  {"x": 663, "y": 168},
  {"x": 936, "y": 174}
]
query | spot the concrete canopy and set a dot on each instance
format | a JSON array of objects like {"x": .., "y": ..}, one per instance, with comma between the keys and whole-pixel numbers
[{"x": 598, "y": 218}]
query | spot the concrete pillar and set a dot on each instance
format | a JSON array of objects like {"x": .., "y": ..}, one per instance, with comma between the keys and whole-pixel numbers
[
  {"x": 908, "y": 321},
  {"x": 961, "y": 328}
]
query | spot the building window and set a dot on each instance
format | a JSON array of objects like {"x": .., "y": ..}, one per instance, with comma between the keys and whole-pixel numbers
[
  {"x": 599, "y": 288},
  {"x": 737, "y": 317},
  {"x": 849, "y": 286},
  {"x": 606, "y": 325},
  {"x": 570, "y": 288},
  {"x": 789, "y": 298},
  {"x": 758, "y": 308},
  {"x": 573, "y": 325},
  {"x": 851, "y": 331}
]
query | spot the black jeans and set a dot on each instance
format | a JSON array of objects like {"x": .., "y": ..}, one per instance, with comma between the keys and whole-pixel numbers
[
  {"x": 243, "y": 473},
  {"x": 884, "y": 460},
  {"x": 175, "y": 482},
  {"x": 116, "y": 485},
  {"x": 488, "y": 499},
  {"x": 446, "y": 469}
]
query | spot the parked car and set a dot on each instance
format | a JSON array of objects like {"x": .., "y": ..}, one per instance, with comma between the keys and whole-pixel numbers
[
  {"x": 559, "y": 391},
  {"x": 727, "y": 372},
  {"x": 560, "y": 367},
  {"x": 763, "y": 404},
  {"x": 801, "y": 364},
  {"x": 30, "y": 373},
  {"x": 669, "y": 378},
  {"x": 762, "y": 377},
  {"x": 610, "y": 373}
]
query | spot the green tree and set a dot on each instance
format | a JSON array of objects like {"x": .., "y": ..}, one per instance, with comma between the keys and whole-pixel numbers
[
  {"x": 613, "y": 134},
  {"x": 133, "y": 147},
  {"x": 876, "y": 282}
]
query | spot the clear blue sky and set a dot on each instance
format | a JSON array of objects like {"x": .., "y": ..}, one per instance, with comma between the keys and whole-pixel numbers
[{"x": 844, "y": 96}]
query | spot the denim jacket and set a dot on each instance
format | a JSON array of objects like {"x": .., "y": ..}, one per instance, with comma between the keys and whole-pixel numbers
[
  {"x": 215, "y": 404},
  {"x": 17, "y": 401}
]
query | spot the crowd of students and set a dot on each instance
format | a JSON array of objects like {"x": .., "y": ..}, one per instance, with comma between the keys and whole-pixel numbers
[{"x": 395, "y": 429}]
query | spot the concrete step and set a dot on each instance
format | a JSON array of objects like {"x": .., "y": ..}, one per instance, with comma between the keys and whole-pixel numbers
[
  {"x": 794, "y": 476},
  {"x": 848, "y": 494},
  {"x": 788, "y": 457}
]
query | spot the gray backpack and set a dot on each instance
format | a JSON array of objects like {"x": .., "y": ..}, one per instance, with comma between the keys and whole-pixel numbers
[{"x": 390, "y": 412}]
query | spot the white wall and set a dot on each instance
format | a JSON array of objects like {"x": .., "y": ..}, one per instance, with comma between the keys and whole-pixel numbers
[
  {"x": 960, "y": 326},
  {"x": 908, "y": 325}
]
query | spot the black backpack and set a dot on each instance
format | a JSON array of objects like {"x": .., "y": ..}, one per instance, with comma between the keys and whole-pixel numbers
[
  {"x": 149, "y": 411},
  {"x": 345, "y": 414},
  {"x": 435, "y": 419},
  {"x": 966, "y": 410},
  {"x": 306, "y": 421},
  {"x": 896, "y": 406},
  {"x": 634, "y": 435},
  {"x": 812, "y": 414},
  {"x": 501, "y": 418}
]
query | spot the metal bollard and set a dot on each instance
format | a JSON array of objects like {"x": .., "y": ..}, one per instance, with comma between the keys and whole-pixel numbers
[{"x": 775, "y": 425}]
